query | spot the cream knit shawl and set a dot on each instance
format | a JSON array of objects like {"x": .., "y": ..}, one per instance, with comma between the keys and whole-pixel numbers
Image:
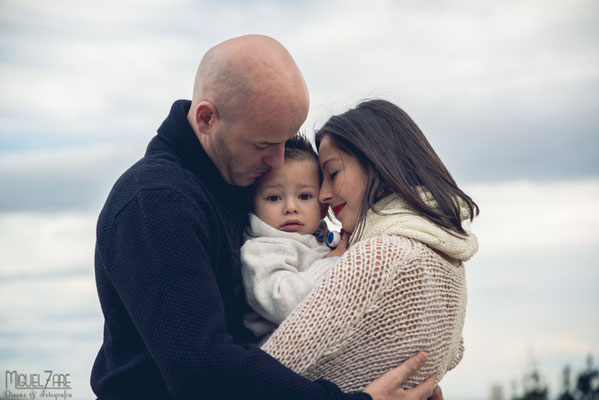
[
  {"x": 388, "y": 296},
  {"x": 394, "y": 217}
]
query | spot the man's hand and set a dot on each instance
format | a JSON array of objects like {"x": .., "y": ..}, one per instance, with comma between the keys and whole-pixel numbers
[
  {"x": 437, "y": 393},
  {"x": 388, "y": 386}
]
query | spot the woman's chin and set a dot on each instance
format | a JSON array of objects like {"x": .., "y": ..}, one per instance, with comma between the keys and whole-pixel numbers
[
  {"x": 346, "y": 226},
  {"x": 346, "y": 230}
]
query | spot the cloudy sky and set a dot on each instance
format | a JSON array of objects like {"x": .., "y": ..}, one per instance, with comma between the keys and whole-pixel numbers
[{"x": 506, "y": 91}]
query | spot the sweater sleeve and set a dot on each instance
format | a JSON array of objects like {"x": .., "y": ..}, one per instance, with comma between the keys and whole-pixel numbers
[
  {"x": 275, "y": 284},
  {"x": 320, "y": 324},
  {"x": 385, "y": 299},
  {"x": 157, "y": 260}
]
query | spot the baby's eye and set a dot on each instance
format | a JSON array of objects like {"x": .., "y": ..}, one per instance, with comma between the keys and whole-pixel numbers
[
  {"x": 274, "y": 197},
  {"x": 305, "y": 196}
]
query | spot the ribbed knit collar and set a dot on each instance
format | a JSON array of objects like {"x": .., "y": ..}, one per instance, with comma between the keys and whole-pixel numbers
[{"x": 179, "y": 136}]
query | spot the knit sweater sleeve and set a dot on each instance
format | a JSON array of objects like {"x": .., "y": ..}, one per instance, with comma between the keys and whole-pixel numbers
[
  {"x": 385, "y": 299},
  {"x": 275, "y": 281},
  {"x": 155, "y": 255}
]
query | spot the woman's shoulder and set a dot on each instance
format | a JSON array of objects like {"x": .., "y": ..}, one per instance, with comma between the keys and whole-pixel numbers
[
  {"x": 387, "y": 250},
  {"x": 389, "y": 244},
  {"x": 393, "y": 247}
]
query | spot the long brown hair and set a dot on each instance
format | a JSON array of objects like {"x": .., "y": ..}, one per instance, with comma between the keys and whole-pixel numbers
[{"x": 396, "y": 158}]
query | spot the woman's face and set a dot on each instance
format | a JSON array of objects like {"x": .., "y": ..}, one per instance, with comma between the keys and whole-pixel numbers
[{"x": 343, "y": 183}]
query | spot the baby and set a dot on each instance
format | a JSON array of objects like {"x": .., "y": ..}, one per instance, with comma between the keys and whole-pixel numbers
[{"x": 283, "y": 256}]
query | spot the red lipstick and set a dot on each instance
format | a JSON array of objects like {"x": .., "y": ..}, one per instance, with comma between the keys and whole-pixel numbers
[{"x": 337, "y": 209}]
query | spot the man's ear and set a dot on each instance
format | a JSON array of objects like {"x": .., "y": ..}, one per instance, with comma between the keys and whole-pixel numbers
[{"x": 206, "y": 117}]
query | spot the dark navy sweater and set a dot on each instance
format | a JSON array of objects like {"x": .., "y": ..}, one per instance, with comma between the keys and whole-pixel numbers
[{"x": 168, "y": 277}]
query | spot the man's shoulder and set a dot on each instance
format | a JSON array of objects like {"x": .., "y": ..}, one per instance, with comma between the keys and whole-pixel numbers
[
  {"x": 158, "y": 170},
  {"x": 156, "y": 173}
]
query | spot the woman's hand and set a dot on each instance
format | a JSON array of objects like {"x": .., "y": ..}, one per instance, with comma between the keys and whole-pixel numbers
[{"x": 388, "y": 386}]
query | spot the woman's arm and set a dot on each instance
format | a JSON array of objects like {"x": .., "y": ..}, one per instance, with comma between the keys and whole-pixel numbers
[
  {"x": 331, "y": 311},
  {"x": 384, "y": 300}
]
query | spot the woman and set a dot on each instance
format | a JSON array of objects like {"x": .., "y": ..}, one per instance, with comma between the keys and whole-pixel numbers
[{"x": 400, "y": 286}]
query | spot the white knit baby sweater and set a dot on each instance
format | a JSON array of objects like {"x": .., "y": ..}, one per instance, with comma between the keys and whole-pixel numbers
[
  {"x": 386, "y": 298},
  {"x": 279, "y": 269}
]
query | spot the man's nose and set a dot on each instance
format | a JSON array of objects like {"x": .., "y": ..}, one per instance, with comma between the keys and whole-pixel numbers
[{"x": 276, "y": 156}]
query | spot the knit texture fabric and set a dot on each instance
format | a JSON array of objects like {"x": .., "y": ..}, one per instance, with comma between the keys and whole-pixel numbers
[
  {"x": 386, "y": 298},
  {"x": 394, "y": 217},
  {"x": 279, "y": 269}
]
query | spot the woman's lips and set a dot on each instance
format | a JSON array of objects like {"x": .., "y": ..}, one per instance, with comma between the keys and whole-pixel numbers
[{"x": 337, "y": 209}]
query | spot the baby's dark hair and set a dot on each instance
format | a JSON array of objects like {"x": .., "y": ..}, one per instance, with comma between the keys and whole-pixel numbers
[{"x": 300, "y": 148}]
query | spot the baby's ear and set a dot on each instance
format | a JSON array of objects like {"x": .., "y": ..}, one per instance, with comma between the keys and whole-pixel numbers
[{"x": 324, "y": 207}]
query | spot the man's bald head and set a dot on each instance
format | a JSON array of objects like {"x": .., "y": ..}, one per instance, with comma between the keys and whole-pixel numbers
[
  {"x": 249, "y": 97},
  {"x": 249, "y": 72}
]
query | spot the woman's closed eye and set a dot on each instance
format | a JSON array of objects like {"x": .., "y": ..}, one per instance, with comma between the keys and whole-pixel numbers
[{"x": 333, "y": 174}]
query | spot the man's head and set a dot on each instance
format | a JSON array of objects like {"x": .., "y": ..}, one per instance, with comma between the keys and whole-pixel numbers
[
  {"x": 286, "y": 198},
  {"x": 249, "y": 97}
]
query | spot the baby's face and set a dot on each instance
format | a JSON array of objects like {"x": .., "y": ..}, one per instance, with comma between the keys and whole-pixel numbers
[{"x": 286, "y": 198}]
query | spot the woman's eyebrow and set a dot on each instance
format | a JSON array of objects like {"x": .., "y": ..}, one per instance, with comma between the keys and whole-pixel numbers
[{"x": 325, "y": 163}]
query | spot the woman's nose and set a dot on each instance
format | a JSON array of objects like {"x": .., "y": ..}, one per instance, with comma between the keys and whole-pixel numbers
[{"x": 325, "y": 195}]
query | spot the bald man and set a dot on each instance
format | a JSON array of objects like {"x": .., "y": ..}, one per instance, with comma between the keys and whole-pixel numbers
[{"x": 167, "y": 251}]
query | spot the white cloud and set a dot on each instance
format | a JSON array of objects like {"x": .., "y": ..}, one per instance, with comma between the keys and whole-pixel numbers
[
  {"x": 39, "y": 244},
  {"x": 105, "y": 70},
  {"x": 51, "y": 324},
  {"x": 464, "y": 48},
  {"x": 528, "y": 216},
  {"x": 64, "y": 178},
  {"x": 532, "y": 286}
]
